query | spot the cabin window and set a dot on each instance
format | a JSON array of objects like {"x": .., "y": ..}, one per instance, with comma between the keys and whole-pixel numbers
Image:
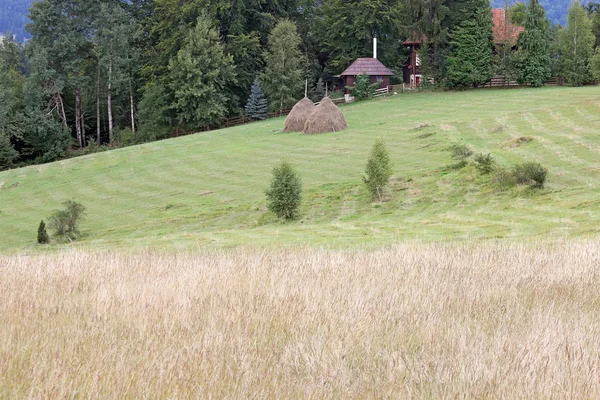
[{"x": 379, "y": 78}]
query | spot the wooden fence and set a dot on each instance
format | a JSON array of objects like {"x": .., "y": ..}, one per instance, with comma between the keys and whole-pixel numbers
[{"x": 382, "y": 92}]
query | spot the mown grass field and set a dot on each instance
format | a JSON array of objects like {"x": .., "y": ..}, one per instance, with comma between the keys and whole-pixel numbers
[{"x": 208, "y": 189}]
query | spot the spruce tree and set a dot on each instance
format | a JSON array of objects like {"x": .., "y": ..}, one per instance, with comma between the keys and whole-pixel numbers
[
  {"x": 199, "y": 75},
  {"x": 283, "y": 77},
  {"x": 285, "y": 194},
  {"x": 576, "y": 42},
  {"x": 470, "y": 62},
  {"x": 318, "y": 92},
  {"x": 378, "y": 170},
  {"x": 256, "y": 106},
  {"x": 42, "y": 233},
  {"x": 534, "y": 51}
]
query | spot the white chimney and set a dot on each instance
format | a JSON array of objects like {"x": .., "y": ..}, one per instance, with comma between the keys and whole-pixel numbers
[{"x": 374, "y": 47}]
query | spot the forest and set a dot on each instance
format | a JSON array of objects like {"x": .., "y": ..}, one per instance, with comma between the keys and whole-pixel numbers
[{"x": 97, "y": 75}]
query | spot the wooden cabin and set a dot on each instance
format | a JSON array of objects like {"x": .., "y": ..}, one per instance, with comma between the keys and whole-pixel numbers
[
  {"x": 504, "y": 32},
  {"x": 376, "y": 71}
]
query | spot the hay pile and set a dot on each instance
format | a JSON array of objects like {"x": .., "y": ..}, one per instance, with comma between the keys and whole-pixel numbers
[
  {"x": 326, "y": 117},
  {"x": 296, "y": 119}
]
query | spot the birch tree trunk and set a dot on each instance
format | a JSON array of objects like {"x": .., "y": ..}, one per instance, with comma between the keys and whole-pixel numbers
[
  {"x": 109, "y": 102},
  {"x": 132, "y": 110},
  {"x": 98, "y": 108},
  {"x": 78, "y": 116}
]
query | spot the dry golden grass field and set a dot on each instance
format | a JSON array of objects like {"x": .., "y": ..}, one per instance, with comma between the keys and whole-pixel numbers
[{"x": 478, "y": 320}]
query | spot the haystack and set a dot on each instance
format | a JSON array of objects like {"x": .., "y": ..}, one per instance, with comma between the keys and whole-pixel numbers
[
  {"x": 296, "y": 119},
  {"x": 326, "y": 117}
]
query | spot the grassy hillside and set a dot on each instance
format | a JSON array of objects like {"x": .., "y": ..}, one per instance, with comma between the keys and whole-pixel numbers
[{"x": 208, "y": 189}]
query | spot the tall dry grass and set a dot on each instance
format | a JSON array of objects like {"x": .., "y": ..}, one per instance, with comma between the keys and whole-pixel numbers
[{"x": 423, "y": 321}]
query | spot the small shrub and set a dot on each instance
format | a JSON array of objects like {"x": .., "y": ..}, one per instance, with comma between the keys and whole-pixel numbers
[
  {"x": 484, "y": 163},
  {"x": 42, "y": 234},
  {"x": 460, "y": 152},
  {"x": 504, "y": 177},
  {"x": 285, "y": 193},
  {"x": 378, "y": 170},
  {"x": 125, "y": 137},
  {"x": 362, "y": 89},
  {"x": 65, "y": 223},
  {"x": 530, "y": 173}
]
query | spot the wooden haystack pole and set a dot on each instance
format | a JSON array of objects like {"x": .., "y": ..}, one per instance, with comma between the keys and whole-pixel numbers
[
  {"x": 296, "y": 119},
  {"x": 326, "y": 117}
]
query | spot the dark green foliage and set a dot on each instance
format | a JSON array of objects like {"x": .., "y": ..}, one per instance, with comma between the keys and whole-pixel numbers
[
  {"x": 7, "y": 152},
  {"x": 517, "y": 13},
  {"x": 576, "y": 44},
  {"x": 42, "y": 234},
  {"x": 484, "y": 163},
  {"x": 349, "y": 29},
  {"x": 530, "y": 173},
  {"x": 282, "y": 79},
  {"x": 285, "y": 193},
  {"x": 595, "y": 64},
  {"x": 362, "y": 89},
  {"x": 318, "y": 92},
  {"x": 470, "y": 61},
  {"x": 199, "y": 75},
  {"x": 247, "y": 57},
  {"x": 125, "y": 137},
  {"x": 65, "y": 223},
  {"x": 460, "y": 152},
  {"x": 534, "y": 51},
  {"x": 378, "y": 170},
  {"x": 257, "y": 107},
  {"x": 153, "y": 113},
  {"x": 45, "y": 138}
]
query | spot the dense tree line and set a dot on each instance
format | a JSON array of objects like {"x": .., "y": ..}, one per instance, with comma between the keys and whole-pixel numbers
[{"x": 116, "y": 72}]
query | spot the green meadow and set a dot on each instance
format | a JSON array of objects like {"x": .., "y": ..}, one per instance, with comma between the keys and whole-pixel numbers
[{"x": 207, "y": 189}]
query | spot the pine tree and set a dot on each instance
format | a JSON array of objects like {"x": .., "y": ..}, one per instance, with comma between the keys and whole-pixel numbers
[
  {"x": 319, "y": 90},
  {"x": 285, "y": 194},
  {"x": 283, "y": 78},
  {"x": 199, "y": 74},
  {"x": 576, "y": 42},
  {"x": 7, "y": 152},
  {"x": 378, "y": 170},
  {"x": 534, "y": 52},
  {"x": 256, "y": 106},
  {"x": 470, "y": 61},
  {"x": 42, "y": 233}
]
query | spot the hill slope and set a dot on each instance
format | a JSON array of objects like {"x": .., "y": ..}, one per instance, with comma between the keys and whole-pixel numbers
[{"x": 208, "y": 188}]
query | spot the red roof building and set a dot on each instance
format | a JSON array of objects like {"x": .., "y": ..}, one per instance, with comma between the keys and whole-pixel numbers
[{"x": 503, "y": 30}]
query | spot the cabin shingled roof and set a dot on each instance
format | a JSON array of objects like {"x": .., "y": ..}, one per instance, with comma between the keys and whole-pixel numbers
[{"x": 370, "y": 66}]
